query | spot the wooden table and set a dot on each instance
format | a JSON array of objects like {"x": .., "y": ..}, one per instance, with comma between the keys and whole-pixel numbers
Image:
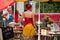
[
  {"x": 44, "y": 33},
  {"x": 46, "y": 37},
  {"x": 55, "y": 36},
  {"x": 50, "y": 37}
]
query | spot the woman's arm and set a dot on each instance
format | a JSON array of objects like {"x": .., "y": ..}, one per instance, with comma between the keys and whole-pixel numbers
[
  {"x": 33, "y": 19},
  {"x": 5, "y": 16}
]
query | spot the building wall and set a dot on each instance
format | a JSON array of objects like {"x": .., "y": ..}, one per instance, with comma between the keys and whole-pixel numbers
[{"x": 20, "y": 6}]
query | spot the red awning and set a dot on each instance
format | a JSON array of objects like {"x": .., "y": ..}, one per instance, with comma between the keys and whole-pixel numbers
[
  {"x": 36, "y": 16},
  {"x": 55, "y": 17},
  {"x": 5, "y": 3}
]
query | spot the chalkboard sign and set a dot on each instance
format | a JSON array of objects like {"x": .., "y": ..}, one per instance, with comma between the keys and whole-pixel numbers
[{"x": 7, "y": 32}]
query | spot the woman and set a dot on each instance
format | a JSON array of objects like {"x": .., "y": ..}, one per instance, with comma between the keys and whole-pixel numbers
[
  {"x": 28, "y": 30},
  {"x": 7, "y": 14}
]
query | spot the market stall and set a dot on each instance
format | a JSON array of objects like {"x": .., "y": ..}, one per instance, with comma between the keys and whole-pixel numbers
[{"x": 50, "y": 28}]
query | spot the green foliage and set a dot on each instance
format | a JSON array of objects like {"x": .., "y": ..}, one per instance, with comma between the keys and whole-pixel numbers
[
  {"x": 37, "y": 5},
  {"x": 45, "y": 7}
]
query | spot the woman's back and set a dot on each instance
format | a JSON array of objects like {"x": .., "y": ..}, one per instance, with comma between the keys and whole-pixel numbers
[{"x": 28, "y": 14}]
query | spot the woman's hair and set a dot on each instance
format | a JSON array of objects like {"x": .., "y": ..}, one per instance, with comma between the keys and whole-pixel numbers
[{"x": 28, "y": 6}]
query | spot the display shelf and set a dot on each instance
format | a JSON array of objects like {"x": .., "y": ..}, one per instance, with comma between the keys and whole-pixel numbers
[{"x": 18, "y": 33}]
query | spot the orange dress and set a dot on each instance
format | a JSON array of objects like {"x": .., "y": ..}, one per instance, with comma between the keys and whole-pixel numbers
[{"x": 28, "y": 29}]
